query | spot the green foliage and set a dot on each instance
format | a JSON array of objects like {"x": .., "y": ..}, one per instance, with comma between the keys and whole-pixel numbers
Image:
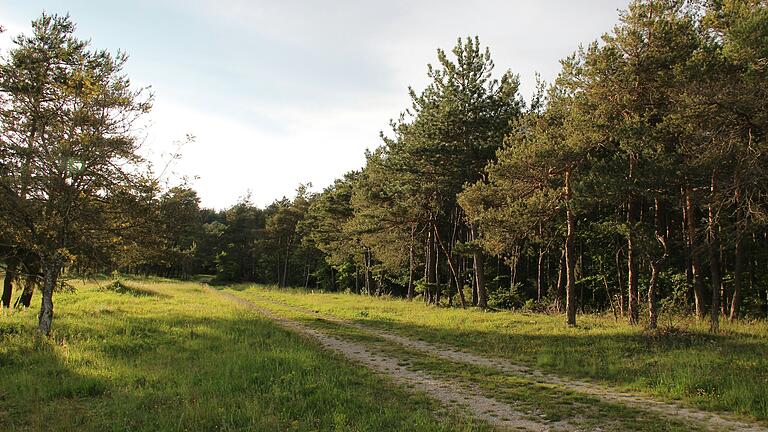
[
  {"x": 507, "y": 298},
  {"x": 647, "y": 153}
]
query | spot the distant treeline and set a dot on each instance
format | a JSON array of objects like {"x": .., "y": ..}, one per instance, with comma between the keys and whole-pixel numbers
[{"x": 636, "y": 183}]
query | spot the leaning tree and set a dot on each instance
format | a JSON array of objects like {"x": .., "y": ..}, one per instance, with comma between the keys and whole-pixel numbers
[{"x": 71, "y": 181}]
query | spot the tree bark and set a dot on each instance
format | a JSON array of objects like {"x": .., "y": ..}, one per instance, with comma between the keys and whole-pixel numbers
[
  {"x": 368, "y": 288},
  {"x": 561, "y": 271},
  {"x": 11, "y": 266},
  {"x": 632, "y": 272},
  {"x": 51, "y": 271},
  {"x": 451, "y": 266},
  {"x": 714, "y": 257},
  {"x": 538, "y": 274},
  {"x": 738, "y": 273},
  {"x": 698, "y": 284},
  {"x": 653, "y": 317},
  {"x": 482, "y": 294},
  {"x": 479, "y": 266},
  {"x": 411, "y": 263},
  {"x": 285, "y": 266},
  {"x": 687, "y": 241},
  {"x": 620, "y": 279},
  {"x": 570, "y": 258},
  {"x": 357, "y": 280},
  {"x": 656, "y": 264}
]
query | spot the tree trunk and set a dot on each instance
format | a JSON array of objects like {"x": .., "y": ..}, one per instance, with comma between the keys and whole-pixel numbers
[
  {"x": 698, "y": 284},
  {"x": 538, "y": 274},
  {"x": 714, "y": 258},
  {"x": 474, "y": 285},
  {"x": 429, "y": 265},
  {"x": 570, "y": 258},
  {"x": 632, "y": 273},
  {"x": 724, "y": 294},
  {"x": 411, "y": 263},
  {"x": 656, "y": 264},
  {"x": 738, "y": 273},
  {"x": 29, "y": 288},
  {"x": 368, "y": 288},
  {"x": 285, "y": 266},
  {"x": 619, "y": 281},
  {"x": 51, "y": 271},
  {"x": 357, "y": 280},
  {"x": 479, "y": 266},
  {"x": 561, "y": 271},
  {"x": 451, "y": 267},
  {"x": 653, "y": 317},
  {"x": 10, "y": 274},
  {"x": 687, "y": 241}
]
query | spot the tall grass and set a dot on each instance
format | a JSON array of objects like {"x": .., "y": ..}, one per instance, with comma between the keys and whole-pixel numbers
[
  {"x": 682, "y": 361},
  {"x": 162, "y": 356}
]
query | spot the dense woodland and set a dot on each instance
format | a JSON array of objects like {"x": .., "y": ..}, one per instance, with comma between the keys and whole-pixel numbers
[{"x": 635, "y": 184}]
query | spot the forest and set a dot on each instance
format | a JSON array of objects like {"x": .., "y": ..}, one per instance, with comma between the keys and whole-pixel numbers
[{"x": 634, "y": 185}]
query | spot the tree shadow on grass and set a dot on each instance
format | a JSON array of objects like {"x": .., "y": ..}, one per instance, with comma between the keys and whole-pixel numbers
[{"x": 185, "y": 372}]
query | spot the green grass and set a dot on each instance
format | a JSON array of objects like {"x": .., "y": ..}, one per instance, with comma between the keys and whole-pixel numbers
[
  {"x": 541, "y": 401},
  {"x": 162, "y": 356},
  {"x": 726, "y": 372}
]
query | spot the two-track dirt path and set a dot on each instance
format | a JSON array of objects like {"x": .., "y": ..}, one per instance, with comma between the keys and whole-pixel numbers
[
  {"x": 499, "y": 414},
  {"x": 711, "y": 420},
  {"x": 494, "y": 412}
]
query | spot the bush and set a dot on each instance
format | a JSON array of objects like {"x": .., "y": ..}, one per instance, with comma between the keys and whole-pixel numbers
[{"x": 509, "y": 298}]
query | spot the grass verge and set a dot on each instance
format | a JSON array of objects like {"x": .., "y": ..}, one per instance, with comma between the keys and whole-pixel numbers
[
  {"x": 173, "y": 356},
  {"x": 563, "y": 409},
  {"x": 726, "y": 372}
]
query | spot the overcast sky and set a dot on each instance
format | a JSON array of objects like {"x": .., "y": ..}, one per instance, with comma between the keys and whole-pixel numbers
[{"x": 283, "y": 92}]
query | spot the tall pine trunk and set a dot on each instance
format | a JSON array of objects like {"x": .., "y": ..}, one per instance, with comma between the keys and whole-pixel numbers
[
  {"x": 570, "y": 257},
  {"x": 698, "y": 284},
  {"x": 451, "y": 266},
  {"x": 368, "y": 287},
  {"x": 632, "y": 272},
  {"x": 411, "y": 263},
  {"x": 561, "y": 271},
  {"x": 656, "y": 264},
  {"x": 285, "y": 265},
  {"x": 714, "y": 257},
  {"x": 738, "y": 273},
  {"x": 479, "y": 265},
  {"x": 429, "y": 266},
  {"x": 538, "y": 274},
  {"x": 620, "y": 282}
]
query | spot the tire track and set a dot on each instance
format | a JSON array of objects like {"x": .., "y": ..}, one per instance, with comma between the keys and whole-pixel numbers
[
  {"x": 498, "y": 414},
  {"x": 712, "y": 421}
]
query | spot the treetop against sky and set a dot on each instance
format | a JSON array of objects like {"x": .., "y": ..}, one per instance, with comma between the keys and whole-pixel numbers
[{"x": 279, "y": 94}]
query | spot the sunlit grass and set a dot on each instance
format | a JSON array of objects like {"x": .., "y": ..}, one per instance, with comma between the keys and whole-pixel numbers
[
  {"x": 165, "y": 356},
  {"x": 682, "y": 361}
]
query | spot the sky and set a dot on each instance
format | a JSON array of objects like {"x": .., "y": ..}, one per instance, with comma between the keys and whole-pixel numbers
[{"x": 280, "y": 93}]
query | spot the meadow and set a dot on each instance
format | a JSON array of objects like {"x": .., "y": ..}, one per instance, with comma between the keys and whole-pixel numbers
[
  {"x": 681, "y": 361},
  {"x": 170, "y": 356},
  {"x": 162, "y": 355}
]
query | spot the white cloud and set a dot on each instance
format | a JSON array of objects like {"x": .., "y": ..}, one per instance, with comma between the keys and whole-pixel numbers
[
  {"x": 232, "y": 158},
  {"x": 280, "y": 93}
]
